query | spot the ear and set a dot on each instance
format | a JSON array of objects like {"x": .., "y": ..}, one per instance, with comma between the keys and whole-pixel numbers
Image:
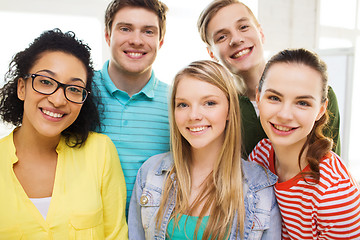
[
  {"x": 21, "y": 89},
  {"x": 323, "y": 109},
  {"x": 228, "y": 117},
  {"x": 161, "y": 43},
  {"x": 261, "y": 34},
  {"x": 257, "y": 97},
  {"x": 107, "y": 37},
  {"x": 211, "y": 53}
]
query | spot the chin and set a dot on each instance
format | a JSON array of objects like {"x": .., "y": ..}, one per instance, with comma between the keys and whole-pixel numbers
[{"x": 50, "y": 133}]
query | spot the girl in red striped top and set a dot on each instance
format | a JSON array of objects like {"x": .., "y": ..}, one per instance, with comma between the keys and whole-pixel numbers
[{"x": 317, "y": 196}]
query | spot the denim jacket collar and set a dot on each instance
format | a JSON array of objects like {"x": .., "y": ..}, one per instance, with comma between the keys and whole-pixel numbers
[
  {"x": 165, "y": 165},
  {"x": 257, "y": 182}
]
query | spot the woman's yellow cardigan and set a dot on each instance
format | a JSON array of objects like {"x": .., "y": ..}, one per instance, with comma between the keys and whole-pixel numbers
[{"x": 88, "y": 200}]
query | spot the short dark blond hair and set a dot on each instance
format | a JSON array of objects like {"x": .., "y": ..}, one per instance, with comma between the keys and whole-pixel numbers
[
  {"x": 209, "y": 12},
  {"x": 158, "y": 7}
]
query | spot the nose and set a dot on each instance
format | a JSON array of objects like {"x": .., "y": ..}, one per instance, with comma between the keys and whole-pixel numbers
[
  {"x": 58, "y": 98},
  {"x": 195, "y": 113},
  {"x": 285, "y": 112},
  {"x": 236, "y": 39},
  {"x": 136, "y": 38}
]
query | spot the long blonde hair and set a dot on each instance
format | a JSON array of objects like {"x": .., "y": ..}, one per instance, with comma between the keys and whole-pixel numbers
[{"x": 223, "y": 189}]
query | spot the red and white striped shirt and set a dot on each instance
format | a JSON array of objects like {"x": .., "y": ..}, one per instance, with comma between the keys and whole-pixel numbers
[{"x": 327, "y": 210}]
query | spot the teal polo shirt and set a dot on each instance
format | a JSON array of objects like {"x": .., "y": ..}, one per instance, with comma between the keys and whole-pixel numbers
[{"x": 138, "y": 125}]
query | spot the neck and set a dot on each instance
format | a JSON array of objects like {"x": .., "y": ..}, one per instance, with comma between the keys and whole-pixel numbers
[
  {"x": 287, "y": 161},
  {"x": 202, "y": 161},
  {"x": 251, "y": 79},
  {"x": 28, "y": 142},
  {"x": 202, "y": 164},
  {"x": 129, "y": 82}
]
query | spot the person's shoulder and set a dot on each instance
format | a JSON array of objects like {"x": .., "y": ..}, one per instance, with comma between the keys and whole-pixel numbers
[
  {"x": 97, "y": 139},
  {"x": 101, "y": 74},
  {"x": 161, "y": 91},
  {"x": 332, "y": 98},
  {"x": 7, "y": 144},
  {"x": 334, "y": 175},
  {"x": 336, "y": 181},
  {"x": 98, "y": 76},
  {"x": 254, "y": 173},
  {"x": 331, "y": 91},
  {"x": 161, "y": 85},
  {"x": 332, "y": 165},
  {"x": 158, "y": 163},
  {"x": 97, "y": 136},
  {"x": 154, "y": 170},
  {"x": 263, "y": 148},
  {"x": 163, "y": 88},
  {"x": 265, "y": 143},
  {"x": 6, "y": 138}
]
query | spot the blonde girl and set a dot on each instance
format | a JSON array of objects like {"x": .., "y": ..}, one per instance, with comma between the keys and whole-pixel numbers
[{"x": 202, "y": 189}]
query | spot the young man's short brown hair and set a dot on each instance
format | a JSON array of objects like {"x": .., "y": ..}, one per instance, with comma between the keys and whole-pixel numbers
[
  {"x": 209, "y": 12},
  {"x": 159, "y": 8}
]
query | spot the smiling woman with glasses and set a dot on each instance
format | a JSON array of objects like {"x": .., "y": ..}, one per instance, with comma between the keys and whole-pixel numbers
[{"x": 59, "y": 179}]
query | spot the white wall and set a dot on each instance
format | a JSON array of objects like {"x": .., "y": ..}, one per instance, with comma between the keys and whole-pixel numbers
[{"x": 331, "y": 28}]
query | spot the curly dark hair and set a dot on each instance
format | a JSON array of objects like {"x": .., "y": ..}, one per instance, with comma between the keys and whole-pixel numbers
[
  {"x": 318, "y": 145},
  {"x": 12, "y": 108}
]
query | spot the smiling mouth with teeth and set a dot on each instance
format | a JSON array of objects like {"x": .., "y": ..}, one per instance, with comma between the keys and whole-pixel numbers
[
  {"x": 282, "y": 128},
  {"x": 197, "y": 129},
  {"x": 52, "y": 114},
  {"x": 241, "y": 53},
  {"x": 134, "y": 54}
]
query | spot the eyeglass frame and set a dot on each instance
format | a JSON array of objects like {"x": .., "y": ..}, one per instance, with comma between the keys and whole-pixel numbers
[{"x": 59, "y": 85}]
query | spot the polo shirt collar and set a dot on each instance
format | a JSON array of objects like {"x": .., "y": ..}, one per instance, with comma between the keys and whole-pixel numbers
[
  {"x": 109, "y": 85},
  {"x": 148, "y": 89}
]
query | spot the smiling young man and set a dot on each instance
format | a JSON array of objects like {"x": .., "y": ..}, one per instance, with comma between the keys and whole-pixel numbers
[
  {"x": 235, "y": 38},
  {"x": 135, "y": 114}
]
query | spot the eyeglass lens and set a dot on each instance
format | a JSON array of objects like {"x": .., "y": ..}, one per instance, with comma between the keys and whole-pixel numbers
[{"x": 47, "y": 85}]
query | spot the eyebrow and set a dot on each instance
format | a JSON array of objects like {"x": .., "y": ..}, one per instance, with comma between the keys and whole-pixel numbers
[
  {"x": 204, "y": 97},
  {"x": 281, "y": 95},
  {"x": 123, "y": 24},
  {"x": 53, "y": 75},
  {"x": 130, "y": 25},
  {"x": 243, "y": 19}
]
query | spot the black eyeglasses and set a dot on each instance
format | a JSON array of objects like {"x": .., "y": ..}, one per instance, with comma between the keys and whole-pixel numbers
[{"x": 47, "y": 85}]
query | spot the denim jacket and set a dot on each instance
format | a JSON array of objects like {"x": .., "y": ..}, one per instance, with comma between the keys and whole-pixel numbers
[{"x": 262, "y": 219}]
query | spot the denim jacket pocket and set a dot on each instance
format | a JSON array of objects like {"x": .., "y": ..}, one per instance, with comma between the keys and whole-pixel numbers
[
  {"x": 260, "y": 223},
  {"x": 149, "y": 202},
  {"x": 87, "y": 225}
]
